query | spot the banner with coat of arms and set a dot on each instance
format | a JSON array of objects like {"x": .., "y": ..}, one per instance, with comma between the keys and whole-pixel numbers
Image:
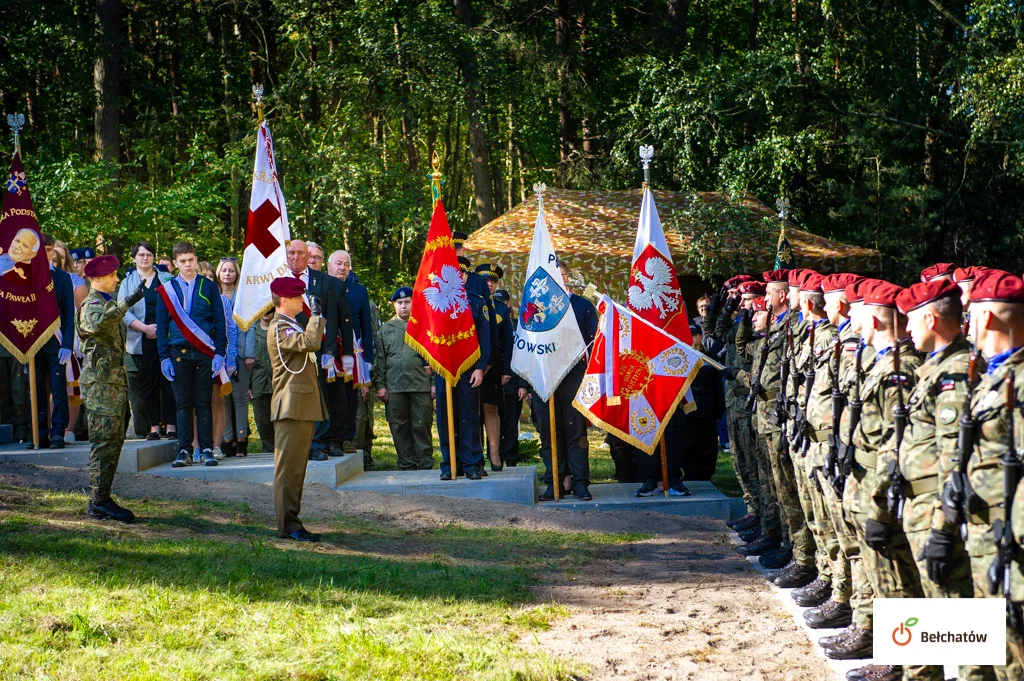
[
  {"x": 636, "y": 377},
  {"x": 548, "y": 342},
  {"x": 28, "y": 304}
]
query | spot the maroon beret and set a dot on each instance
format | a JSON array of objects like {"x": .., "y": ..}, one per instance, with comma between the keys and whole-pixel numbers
[
  {"x": 758, "y": 288},
  {"x": 962, "y": 274},
  {"x": 881, "y": 293},
  {"x": 838, "y": 282},
  {"x": 942, "y": 269},
  {"x": 855, "y": 291},
  {"x": 925, "y": 292},
  {"x": 102, "y": 266},
  {"x": 760, "y": 305},
  {"x": 737, "y": 280},
  {"x": 776, "y": 275},
  {"x": 811, "y": 281},
  {"x": 997, "y": 286},
  {"x": 287, "y": 287}
]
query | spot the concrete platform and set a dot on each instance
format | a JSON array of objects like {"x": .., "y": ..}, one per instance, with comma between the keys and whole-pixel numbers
[
  {"x": 517, "y": 485},
  {"x": 136, "y": 455},
  {"x": 705, "y": 501},
  {"x": 260, "y": 468}
]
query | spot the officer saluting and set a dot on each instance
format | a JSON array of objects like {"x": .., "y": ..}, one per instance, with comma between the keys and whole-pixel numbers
[
  {"x": 297, "y": 404},
  {"x": 104, "y": 383}
]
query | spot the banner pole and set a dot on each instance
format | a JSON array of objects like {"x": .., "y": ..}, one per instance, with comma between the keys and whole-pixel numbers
[
  {"x": 664, "y": 466},
  {"x": 34, "y": 399},
  {"x": 452, "y": 456},
  {"x": 555, "y": 475}
]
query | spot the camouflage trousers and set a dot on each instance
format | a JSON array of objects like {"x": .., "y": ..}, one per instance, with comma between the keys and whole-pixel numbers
[
  {"x": 106, "y": 437},
  {"x": 828, "y": 535},
  {"x": 806, "y": 493},
  {"x": 846, "y": 547},
  {"x": 789, "y": 497},
  {"x": 1014, "y": 669},
  {"x": 742, "y": 445},
  {"x": 771, "y": 523}
]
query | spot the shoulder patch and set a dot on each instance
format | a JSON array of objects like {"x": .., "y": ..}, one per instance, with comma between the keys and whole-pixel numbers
[
  {"x": 499, "y": 317},
  {"x": 948, "y": 415},
  {"x": 288, "y": 331},
  {"x": 947, "y": 384},
  {"x": 487, "y": 313}
]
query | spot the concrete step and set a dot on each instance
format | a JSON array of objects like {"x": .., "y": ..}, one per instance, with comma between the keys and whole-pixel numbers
[
  {"x": 260, "y": 468},
  {"x": 705, "y": 501},
  {"x": 6, "y": 434},
  {"x": 517, "y": 485},
  {"x": 136, "y": 455}
]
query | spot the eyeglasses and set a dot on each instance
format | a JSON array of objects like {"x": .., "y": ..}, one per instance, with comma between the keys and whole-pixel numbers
[
  {"x": 316, "y": 258},
  {"x": 229, "y": 259}
]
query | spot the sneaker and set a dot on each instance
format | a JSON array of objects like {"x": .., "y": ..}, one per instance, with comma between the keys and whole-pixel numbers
[
  {"x": 151, "y": 436},
  {"x": 582, "y": 493},
  {"x": 111, "y": 510},
  {"x": 208, "y": 459},
  {"x": 183, "y": 460},
  {"x": 197, "y": 456},
  {"x": 678, "y": 489},
  {"x": 69, "y": 437},
  {"x": 649, "y": 489},
  {"x": 726, "y": 448},
  {"x": 218, "y": 453}
]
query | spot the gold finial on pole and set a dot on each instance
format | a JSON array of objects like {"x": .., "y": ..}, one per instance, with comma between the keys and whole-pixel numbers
[
  {"x": 16, "y": 122},
  {"x": 646, "y": 154},
  {"x": 437, "y": 179},
  {"x": 257, "y": 94}
]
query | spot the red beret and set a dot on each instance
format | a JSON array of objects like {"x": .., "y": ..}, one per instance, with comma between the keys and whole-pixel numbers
[
  {"x": 760, "y": 305},
  {"x": 941, "y": 269},
  {"x": 926, "y": 292},
  {"x": 971, "y": 273},
  {"x": 102, "y": 266},
  {"x": 998, "y": 286},
  {"x": 758, "y": 288},
  {"x": 834, "y": 283},
  {"x": 881, "y": 293},
  {"x": 855, "y": 291},
  {"x": 287, "y": 287},
  {"x": 737, "y": 280},
  {"x": 776, "y": 275},
  {"x": 811, "y": 281}
]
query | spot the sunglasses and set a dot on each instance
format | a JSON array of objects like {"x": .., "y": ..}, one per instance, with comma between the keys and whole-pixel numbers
[{"x": 229, "y": 259}]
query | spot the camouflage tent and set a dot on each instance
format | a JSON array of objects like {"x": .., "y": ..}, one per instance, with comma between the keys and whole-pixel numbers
[{"x": 594, "y": 231}]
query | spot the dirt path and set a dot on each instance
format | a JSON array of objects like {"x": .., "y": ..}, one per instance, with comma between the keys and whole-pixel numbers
[{"x": 683, "y": 605}]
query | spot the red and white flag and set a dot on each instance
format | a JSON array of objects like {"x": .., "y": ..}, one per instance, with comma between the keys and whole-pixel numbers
[
  {"x": 266, "y": 236},
  {"x": 654, "y": 292},
  {"x": 636, "y": 377}
]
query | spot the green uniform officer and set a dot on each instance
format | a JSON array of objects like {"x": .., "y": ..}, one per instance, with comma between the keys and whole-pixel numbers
[
  {"x": 403, "y": 384},
  {"x": 101, "y": 327}
]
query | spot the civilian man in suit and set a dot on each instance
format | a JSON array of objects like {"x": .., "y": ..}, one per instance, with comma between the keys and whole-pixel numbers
[
  {"x": 52, "y": 358},
  {"x": 337, "y": 344},
  {"x": 297, "y": 404},
  {"x": 189, "y": 325}
]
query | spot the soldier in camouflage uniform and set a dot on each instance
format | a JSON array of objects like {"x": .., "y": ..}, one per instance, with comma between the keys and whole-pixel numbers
[
  {"x": 997, "y": 320},
  {"x": 101, "y": 327}
]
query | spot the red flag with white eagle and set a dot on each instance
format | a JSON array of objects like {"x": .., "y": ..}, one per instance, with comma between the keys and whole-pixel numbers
[
  {"x": 441, "y": 327},
  {"x": 636, "y": 377},
  {"x": 266, "y": 235},
  {"x": 654, "y": 292}
]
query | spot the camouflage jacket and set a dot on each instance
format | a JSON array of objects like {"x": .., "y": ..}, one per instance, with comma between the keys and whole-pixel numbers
[
  {"x": 102, "y": 332},
  {"x": 819, "y": 404}
]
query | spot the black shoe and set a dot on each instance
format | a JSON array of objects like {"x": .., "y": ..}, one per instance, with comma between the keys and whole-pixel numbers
[
  {"x": 482, "y": 472},
  {"x": 109, "y": 509},
  {"x": 548, "y": 494},
  {"x": 227, "y": 448},
  {"x": 776, "y": 558},
  {"x": 745, "y": 523},
  {"x": 334, "y": 449},
  {"x": 474, "y": 474},
  {"x": 829, "y": 615},
  {"x": 678, "y": 489},
  {"x": 814, "y": 594},
  {"x": 798, "y": 575},
  {"x": 511, "y": 464},
  {"x": 44, "y": 443},
  {"x": 207, "y": 458},
  {"x": 184, "y": 459},
  {"x": 153, "y": 436},
  {"x": 753, "y": 534},
  {"x": 876, "y": 672},
  {"x": 759, "y": 547},
  {"x": 734, "y": 524},
  {"x": 304, "y": 535},
  {"x": 836, "y": 639},
  {"x": 446, "y": 476},
  {"x": 648, "y": 489},
  {"x": 496, "y": 469},
  {"x": 172, "y": 436},
  {"x": 856, "y": 646},
  {"x": 318, "y": 455},
  {"x": 57, "y": 443},
  {"x": 582, "y": 493}
]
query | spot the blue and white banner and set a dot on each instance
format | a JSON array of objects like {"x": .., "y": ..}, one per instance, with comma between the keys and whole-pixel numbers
[{"x": 548, "y": 342}]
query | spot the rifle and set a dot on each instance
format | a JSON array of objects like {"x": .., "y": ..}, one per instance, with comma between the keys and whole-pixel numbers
[
  {"x": 999, "y": 571},
  {"x": 809, "y": 376},
  {"x": 856, "y": 404},
  {"x": 787, "y": 358},
  {"x": 957, "y": 491},
  {"x": 755, "y": 378},
  {"x": 896, "y": 495}
]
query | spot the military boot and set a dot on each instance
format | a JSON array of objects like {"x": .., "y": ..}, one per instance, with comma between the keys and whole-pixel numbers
[
  {"x": 814, "y": 594},
  {"x": 798, "y": 575},
  {"x": 834, "y": 639},
  {"x": 829, "y": 615},
  {"x": 109, "y": 509},
  {"x": 745, "y": 523},
  {"x": 751, "y": 535},
  {"x": 857, "y": 646},
  {"x": 758, "y": 547},
  {"x": 876, "y": 672}
]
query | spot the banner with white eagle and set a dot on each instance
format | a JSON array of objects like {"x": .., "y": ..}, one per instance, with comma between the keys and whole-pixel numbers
[{"x": 266, "y": 235}]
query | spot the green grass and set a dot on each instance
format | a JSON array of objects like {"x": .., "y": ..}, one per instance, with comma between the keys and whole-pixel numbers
[{"x": 203, "y": 591}]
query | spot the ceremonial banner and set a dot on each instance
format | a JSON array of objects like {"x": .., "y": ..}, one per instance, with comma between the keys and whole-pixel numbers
[
  {"x": 28, "y": 304},
  {"x": 636, "y": 377},
  {"x": 548, "y": 341},
  {"x": 654, "y": 292},
  {"x": 441, "y": 327},
  {"x": 266, "y": 235}
]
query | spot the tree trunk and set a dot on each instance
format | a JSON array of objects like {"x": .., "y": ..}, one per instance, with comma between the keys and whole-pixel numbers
[
  {"x": 750, "y": 120},
  {"x": 107, "y": 81},
  {"x": 563, "y": 42},
  {"x": 478, "y": 149},
  {"x": 408, "y": 125},
  {"x": 177, "y": 122},
  {"x": 235, "y": 180},
  {"x": 678, "y": 17}
]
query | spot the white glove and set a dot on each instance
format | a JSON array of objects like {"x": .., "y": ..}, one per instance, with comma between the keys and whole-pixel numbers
[
  {"x": 347, "y": 363},
  {"x": 326, "y": 361},
  {"x": 63, "y": 355}
]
